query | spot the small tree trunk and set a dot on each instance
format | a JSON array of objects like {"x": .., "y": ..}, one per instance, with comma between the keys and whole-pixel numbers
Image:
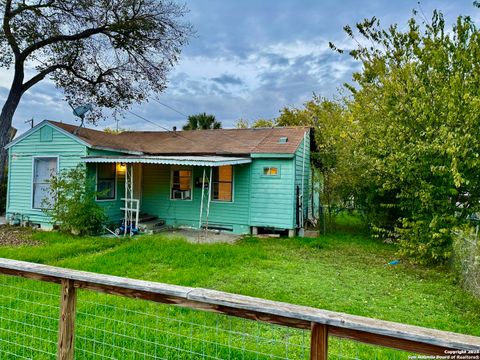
[{"x": 328, "y": 200}]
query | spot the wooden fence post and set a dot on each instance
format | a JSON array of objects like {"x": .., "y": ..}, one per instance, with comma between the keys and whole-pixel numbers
[
  {"x": 66, "y": 324},
  {"x": 319, "y": 342}
]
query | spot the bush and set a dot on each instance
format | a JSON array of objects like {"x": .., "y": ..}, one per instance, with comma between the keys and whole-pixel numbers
[
  {"x": 466, "y": 259},
  {"x": 71, "y": 204}
]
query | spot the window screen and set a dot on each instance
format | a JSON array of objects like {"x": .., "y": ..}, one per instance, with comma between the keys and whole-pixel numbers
[
  {"x": 106, "y": 181},
  {"x": 222, "y": 183},
  {"x": 181, "y": 184},
  {"x": 43, "y": 170}
]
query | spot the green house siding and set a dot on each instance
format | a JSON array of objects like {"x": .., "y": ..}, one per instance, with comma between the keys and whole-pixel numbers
[
  {"x": 271, "y": 197},
  {"x": 302, "y": 168},
  {"x": 46, "y": 141},
  {"x": 156, "y": 199}
]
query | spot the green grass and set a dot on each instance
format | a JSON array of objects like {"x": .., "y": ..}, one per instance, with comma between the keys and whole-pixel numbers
[{"x": 342, "y": 272}]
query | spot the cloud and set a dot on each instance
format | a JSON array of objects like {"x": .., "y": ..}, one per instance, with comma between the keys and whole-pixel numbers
[
  {"x": 248, "y": 60},
  {"x": 227, "y": 80}
]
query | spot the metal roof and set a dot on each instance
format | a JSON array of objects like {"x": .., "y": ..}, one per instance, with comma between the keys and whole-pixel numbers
[{"x": 170, "y": 160}]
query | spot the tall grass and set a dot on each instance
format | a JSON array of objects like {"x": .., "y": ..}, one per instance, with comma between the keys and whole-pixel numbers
[{"x": 342, "y": 272}]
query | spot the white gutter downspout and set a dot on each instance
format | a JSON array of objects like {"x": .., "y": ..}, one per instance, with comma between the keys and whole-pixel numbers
[{"x": 302, "y": 222}]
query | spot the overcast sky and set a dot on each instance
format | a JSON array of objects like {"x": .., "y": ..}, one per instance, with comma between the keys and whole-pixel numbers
[{"x": 248, "y": 59}]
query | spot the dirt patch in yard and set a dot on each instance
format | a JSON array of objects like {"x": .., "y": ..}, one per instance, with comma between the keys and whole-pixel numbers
[
  {"x": 16, "y": 236},
  {"x": 202, "y": 237}
]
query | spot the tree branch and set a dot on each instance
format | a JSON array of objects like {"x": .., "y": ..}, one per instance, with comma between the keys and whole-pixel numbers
[
  {"x": 6, "y": 28},
  {"x": 39, "y": 77},
  {"x": 61, "y": 38},
  {"x": 42, "y": 74},
  {"x": 24, "y": 7}
]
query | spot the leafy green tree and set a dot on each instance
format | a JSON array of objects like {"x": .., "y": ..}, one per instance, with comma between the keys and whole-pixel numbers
[
  {"x": 263, "y": 123},
  {"x": 109, "y": 53},
  {"x": 417, "y": 109},
  {"x": 331, "y": 125},
  {"x": 113, "y": 131},
  {"x": 242, "y": 124},
  {"x": 71, "y": 203},
  {"x": 202, "y": 121}
]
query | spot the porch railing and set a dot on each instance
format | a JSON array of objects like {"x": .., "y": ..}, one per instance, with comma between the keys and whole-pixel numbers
[{"x": 321, "y": 325}]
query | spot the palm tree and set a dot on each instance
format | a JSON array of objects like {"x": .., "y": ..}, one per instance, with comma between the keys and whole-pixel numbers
[{"x": 202, "y": 121}]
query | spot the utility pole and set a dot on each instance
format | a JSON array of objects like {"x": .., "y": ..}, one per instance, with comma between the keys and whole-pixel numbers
[{"x": 29, "y": 121}]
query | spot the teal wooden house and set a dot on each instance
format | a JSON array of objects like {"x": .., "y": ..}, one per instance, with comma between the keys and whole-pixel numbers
[{"x": 235, "y": 180}]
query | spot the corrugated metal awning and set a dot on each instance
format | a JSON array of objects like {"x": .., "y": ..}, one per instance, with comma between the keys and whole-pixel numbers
[{"x": 170, "y": 160}]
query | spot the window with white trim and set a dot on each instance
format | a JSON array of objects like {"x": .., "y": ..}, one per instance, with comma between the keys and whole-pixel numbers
[
  {"x": 270, "y": 171},
  {"x": 181, "y": 188},
  {"x": 106, "y": 176},
  {"x": 43, "y": 170},
  {"x": 222, "y": 183}
]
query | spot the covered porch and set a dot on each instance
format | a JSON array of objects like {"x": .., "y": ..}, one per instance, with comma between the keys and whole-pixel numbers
[{"x": 196, "y": 192}]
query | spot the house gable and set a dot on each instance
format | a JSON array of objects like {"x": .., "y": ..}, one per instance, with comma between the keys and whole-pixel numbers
[{"x": 45, "y": 134}]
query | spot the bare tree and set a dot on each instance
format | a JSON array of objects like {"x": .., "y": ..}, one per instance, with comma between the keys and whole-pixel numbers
[{"x": 112, "y": 53}]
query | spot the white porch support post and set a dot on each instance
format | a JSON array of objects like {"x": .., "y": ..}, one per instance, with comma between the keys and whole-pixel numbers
[
  {"x": 125, "y": 220},
  {"x": 201, "y": 201},
  {"x": 209, "y": 198},
  {"x": 130, "y": 210}
]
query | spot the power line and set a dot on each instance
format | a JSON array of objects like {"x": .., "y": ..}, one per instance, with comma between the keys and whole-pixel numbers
[
  {"x": 186, "y": 116},
  {"x": 149, "y": 121},
  {"x": 179, "y": 112},
  {"x": 171, "y": 108},
  {"x": 160, "y": 126}
]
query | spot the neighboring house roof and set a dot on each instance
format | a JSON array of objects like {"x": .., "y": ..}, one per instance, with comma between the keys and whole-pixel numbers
[{"x": 196, "y": 142}]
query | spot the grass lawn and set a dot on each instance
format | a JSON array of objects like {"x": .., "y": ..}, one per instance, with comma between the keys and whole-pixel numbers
[{"x": 341, "y": 272}]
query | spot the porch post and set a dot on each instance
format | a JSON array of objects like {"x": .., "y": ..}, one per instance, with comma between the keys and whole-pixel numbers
[
  {"x": 209, "y": 197},
  {"x": 125, "y": 220},
  {"x": 131, "y": 200},
  {"x": 201, "y": 201}
]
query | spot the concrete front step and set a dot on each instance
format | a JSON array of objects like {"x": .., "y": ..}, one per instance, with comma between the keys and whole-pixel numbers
[
  {"x": 143, "y": 218},
  {"x": 151, "y": 226}
]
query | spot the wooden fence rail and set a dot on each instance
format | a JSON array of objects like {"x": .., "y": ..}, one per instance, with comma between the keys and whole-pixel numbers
[{"x": 322, "y": 323}]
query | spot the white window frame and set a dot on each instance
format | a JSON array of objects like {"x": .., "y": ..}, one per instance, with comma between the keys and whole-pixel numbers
[
  {"x": 57, "y": 159},
  {"x": 233, "y": 189},
  {"x": 270, "y": 167},
  {"x": 115, "y": 185},
  {"x": 178, "y": 168}
]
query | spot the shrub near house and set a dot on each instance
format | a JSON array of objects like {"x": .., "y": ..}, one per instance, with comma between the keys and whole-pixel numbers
[{"x": 71, "y": 203}]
